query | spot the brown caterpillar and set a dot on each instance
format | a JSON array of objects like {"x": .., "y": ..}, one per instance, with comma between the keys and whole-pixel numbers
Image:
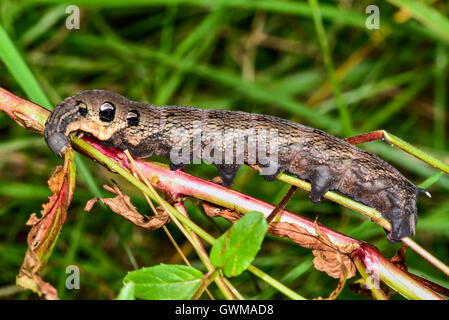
[{"x": 326, "y": 161}]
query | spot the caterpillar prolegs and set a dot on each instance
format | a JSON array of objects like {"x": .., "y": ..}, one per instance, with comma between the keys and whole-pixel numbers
[{"x": 230, "y": 138}]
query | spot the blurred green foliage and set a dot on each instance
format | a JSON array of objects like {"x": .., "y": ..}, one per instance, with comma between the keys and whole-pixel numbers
[{"x": 256, "y": 56}]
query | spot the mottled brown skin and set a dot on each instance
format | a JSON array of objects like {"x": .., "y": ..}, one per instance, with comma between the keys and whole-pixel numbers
[{"x": 313, "y": 155}]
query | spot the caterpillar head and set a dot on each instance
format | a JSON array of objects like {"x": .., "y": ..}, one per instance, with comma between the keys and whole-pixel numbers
[{"x": 92, "y": 111}]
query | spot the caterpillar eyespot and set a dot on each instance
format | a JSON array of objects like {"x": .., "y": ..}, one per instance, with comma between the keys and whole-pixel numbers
[
  {"x": 107, "y": 112},
  {"x": 133, "y": 118},
  {"x": 227, "y": 139}
]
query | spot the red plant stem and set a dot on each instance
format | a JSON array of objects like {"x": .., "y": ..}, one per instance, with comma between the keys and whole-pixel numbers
[
  {"x": 366, "y": 137},
  {"x": 27, "y": 114},
  {"x": 379, "y": 266}
]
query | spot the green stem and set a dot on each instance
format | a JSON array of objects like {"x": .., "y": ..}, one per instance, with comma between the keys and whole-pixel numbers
[
  {"x": 416, "y": 152},
  {"x": 209, "y": 277}
]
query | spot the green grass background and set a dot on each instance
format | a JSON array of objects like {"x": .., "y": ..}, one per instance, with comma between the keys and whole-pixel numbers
[{"x": 256, "y": 56}]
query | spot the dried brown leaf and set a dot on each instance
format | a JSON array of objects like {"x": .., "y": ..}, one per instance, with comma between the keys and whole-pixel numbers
[
  {"x": 212, "y": 210},
  {"x": 399, "y": 258},
  {"x": 329, "y": 257},
  {"x": 217, "y": 180},
  {"x": 331, "y": 262},
  {"x": 32, "y": 220},
  {"x": 90, "y": 203},
  {"x": 122, "y": 205},
  {"x": 56, "y": 180},
  {"x": 341, "y": 283}
]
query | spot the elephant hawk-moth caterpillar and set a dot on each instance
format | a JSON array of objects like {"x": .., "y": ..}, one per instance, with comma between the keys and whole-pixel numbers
[{"x": 327, "y": 162}]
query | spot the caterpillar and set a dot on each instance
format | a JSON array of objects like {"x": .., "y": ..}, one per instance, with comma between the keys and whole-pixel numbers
[{"x": 327, "y": 162}]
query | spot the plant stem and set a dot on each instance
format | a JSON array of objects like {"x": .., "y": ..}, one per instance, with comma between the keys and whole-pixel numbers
[
  {"x": 281, "y": 204},
  {"x": 209, "y": 277},
  {"x": 380, "y": 268}
]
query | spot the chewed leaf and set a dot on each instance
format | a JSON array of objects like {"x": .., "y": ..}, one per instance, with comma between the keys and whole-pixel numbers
[
  {"x": 165, "y": 282},
  {"x": 236, "y": 248},
  {"x": 45, "y": 230}
]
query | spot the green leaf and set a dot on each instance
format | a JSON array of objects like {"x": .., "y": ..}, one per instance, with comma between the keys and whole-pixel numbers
[
  {"x": 431, "y": 180},
  {"x": 165, "y": 282},
  {"x": 236, "y": 248},
  {"x": 20, "y": 71},
  {"x": 127, "y": 292}
]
